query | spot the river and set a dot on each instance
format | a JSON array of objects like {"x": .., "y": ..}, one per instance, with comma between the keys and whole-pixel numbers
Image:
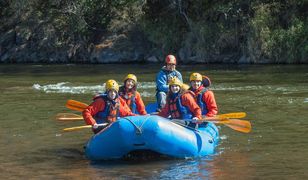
[{"x": 275, "y": 98}]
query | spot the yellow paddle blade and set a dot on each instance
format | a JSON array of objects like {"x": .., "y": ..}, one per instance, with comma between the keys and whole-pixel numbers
[
  {"x": 240, "y": 123},
  {"x": 236, "y": 124},
  {"x": 68, "y": 117},
  {"x": 232, "y": 115},
  {"x": 76, "y": 105},
  {"x": 238, "y": 128},
  {"x": 76, "y": 128}
]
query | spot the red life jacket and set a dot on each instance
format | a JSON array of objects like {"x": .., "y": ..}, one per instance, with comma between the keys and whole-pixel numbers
[
  {"x": 130, "y": 100},
  {"x": 177, "y": 110},
  {"x": 198, "y": 97},
  {"x": 173, "y": 108},
  {"x": 111, "y": 111}
]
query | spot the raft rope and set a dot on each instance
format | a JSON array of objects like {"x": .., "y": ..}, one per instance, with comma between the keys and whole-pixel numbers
[{"x": 138, "y": 129}]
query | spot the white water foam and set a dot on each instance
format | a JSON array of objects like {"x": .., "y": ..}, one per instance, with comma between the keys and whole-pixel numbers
[
  {"x": 147, "y": 89},
  {"x": 146, "y": 85},
  {"x": 67, "y": 87},
  {"x": 223, "y": 137},
  {"x": 235, "y": 88}
]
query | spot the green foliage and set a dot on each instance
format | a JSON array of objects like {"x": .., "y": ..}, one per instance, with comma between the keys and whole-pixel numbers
[
  {"x": 162, "y": 25},
  {"x": 288, "y": 45},
  {"x": 264, "y": 31},
  {"x": 163, "y": 34},
  {"x": 269, "y": 39}
]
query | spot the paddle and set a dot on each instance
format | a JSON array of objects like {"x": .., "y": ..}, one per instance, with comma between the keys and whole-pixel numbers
[
  {"x": 79, "y": 106},
  {"x": 76, "y": 105},
  {"x": 240, "y": 129},
  {"x": 76, "y": 128},
  {"x": 151, "y": 107},
  {"x": 68, "y": 117},
  {"x": 231, "y": 115},
  {"x": 236, "y": 124}
]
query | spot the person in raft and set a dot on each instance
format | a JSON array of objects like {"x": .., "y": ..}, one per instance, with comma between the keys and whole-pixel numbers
[
  {"x": 180, "y": 103},
  {"x": 107, "y": 107},
  {"x": 203, "y": 95},
  {"x": 132, "y": 97},
  {"x": 162, "y": 79}
]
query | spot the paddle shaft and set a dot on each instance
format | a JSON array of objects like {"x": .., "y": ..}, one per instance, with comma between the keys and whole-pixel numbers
[
  {"x": 236, "y": 124},
  {"x": 68, "y": 117},
  {"x": 76, "y": 128}
]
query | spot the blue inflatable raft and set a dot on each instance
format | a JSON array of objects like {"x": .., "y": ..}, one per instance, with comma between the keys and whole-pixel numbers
[{"x": 152, "y": 133}]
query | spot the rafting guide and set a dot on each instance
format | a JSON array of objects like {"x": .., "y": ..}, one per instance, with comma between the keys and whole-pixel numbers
[{"x": 163, "y": 77}]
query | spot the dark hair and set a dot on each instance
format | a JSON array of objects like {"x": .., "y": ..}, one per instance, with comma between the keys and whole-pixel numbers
[{"x": 133, "y": 89}]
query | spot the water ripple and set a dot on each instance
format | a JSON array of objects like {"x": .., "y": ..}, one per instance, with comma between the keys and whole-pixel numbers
[
  {"x": 67, "y": 87},
  {"x": 147, "y": 88}
]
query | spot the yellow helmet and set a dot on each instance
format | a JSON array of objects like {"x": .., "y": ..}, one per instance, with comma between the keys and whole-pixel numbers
[
  {"x": 131, "y": 76},
  {"x": 175, "y": 81},
  {"x": 112, "y": 84},
  {"x": 195, "y": 77}
]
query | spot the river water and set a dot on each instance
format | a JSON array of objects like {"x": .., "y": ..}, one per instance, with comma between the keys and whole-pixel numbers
[{"x": 275, "y": 98}]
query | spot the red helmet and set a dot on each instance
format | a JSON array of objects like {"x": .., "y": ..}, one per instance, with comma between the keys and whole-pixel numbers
[{"x": 170, "y": 59}]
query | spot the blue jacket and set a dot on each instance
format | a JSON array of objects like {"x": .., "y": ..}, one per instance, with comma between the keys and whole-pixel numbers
[{"x": 162, "y": 79}]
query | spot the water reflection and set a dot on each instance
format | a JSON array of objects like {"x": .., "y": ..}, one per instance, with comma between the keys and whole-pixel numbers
[
  {"x": 223, "y": 166},
  {"x": 229, "y": 165}
]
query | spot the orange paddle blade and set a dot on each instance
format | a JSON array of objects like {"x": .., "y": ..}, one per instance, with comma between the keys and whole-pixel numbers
[
  {"x": 76, "y": 105},
  {"x": 236, "y": 124}
]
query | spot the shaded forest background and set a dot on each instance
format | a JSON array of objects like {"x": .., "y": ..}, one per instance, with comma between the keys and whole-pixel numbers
[{"x": 120, "y": 31}]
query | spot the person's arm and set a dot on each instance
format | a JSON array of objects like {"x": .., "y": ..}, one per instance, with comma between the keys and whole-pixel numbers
[
  {"x": 91, "y": 110},
  {"x": 165, "y": 111},
  {"x": 124, "y": 110},
  {"x": 189, "y": 101},
  {"x": 211, "y": 105},
  {"x": 179, "y": 75},
  {"x": 162, "y": 82},
  {"x": 140, "y": 104}
]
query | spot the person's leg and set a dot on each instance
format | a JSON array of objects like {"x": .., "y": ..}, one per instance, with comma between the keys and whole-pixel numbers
[{"x": 161, "y": 99}]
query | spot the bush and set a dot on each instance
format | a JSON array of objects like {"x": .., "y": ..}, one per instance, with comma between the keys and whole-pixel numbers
[{"x": 268, "y": 39}]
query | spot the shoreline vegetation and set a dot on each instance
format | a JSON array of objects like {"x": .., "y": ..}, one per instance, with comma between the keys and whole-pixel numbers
[{"x": 140, "y": 31}]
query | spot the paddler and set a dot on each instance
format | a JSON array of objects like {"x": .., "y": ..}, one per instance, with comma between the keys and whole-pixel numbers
[{"x": 106, "y": 107}]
